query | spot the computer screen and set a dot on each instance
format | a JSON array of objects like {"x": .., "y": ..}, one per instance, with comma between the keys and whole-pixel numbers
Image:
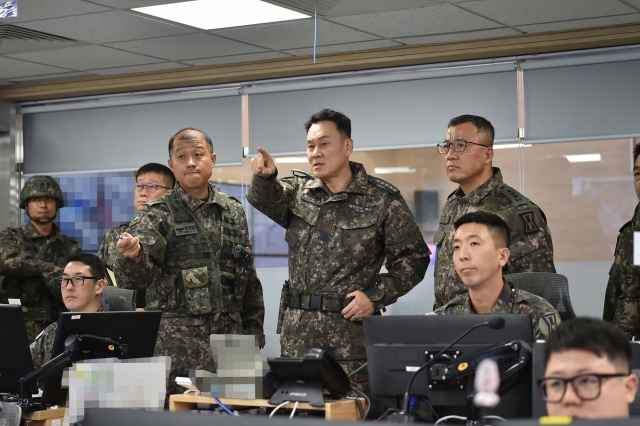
[
  {"x": 15, "y": 357},
  {"x": 398, "y": 345},
  {"x": 138, "y": 330}
]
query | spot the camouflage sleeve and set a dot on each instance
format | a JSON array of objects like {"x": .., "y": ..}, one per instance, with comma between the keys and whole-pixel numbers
[
  {"x": 627, "y": 302},
  {"x": 544, "y": 321},
  {"x": 14, "y": 262},
  {"x": 407, "y": 255},
  {"x": 43, "y": 345},
  {"x": 108, "y": 251},
  {"x": 272, "y": 197},
  {"x": 152, "y": 226},
  {"x": 51, "y": 277},
  {"x": 253, "y": 302},
  {"x": 533, "y": 251}
]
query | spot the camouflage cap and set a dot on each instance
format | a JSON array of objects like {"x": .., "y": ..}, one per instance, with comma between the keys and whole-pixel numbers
[{"x": 41, "y": 186}]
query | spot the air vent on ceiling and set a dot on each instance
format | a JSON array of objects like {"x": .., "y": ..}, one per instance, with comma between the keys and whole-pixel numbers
[{"x": 14, "y": 39}]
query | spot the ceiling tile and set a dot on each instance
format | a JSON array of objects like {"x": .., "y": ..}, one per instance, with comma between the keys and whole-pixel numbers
[
  {"x": 523, "y": 12},
  {"x": 468, "y": 35},
  {"x": 31, "y": 10},
  {"x": 237, "y": 58},
  {"x": 106, "y": 27},
  {"x": 358, "y": 7},
  {"x": 635, "y": 3},
  {"x": 294, "y": 34},
  {"x": 346, "y": 47},
  {"x": 581, "y": 23},
  {"x": 130, "y": 4},
  {"x": 138, "y": 68},
  {"x": 12, "y": 68},
  {"x": 192, "y": 46},
  {"x": 85, "y": 58},
  {"x": 435, "y": 19}
]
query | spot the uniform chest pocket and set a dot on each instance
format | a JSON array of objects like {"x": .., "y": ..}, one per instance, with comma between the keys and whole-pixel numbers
[
  {"x": 303, "y": 219},
  {"x": 359, "y": 235}
]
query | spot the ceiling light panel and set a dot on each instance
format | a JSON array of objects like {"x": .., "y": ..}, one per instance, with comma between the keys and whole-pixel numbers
[
  {"x": 583, "y": 158},
  {"x": 215, "y": 14}
]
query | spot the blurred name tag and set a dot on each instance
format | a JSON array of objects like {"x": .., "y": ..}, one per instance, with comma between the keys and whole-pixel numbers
[{"x": 636, "y": 248}]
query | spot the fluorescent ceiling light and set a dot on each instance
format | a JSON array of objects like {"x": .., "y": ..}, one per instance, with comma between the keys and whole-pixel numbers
[
  {"x": 389, "y": 170},
  {"x": 291, "y": 160},
  {"x": 215, "y": 14},
  {"x": 583, "y": 158},
  {"x": 509, "y": 145}
]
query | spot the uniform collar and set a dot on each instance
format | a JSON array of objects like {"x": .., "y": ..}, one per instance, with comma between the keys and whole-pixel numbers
[
  {"x": 505, "y": 301},
  {"x": 358, "y": 184},
  {"x": 483, "y": 190},
  {"x": 32, "y": 232},
  {"x": 194, "y": 203}
]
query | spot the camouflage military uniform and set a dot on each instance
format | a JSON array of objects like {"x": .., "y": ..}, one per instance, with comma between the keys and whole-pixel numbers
[
  {"x": 337, "y": 244},
  {"x": 544, "y": 318},
  {"x": 108, "y": 252},
  {"x": 531, "y": 246},
  {"x": 188, "y": 268},
  {"x": 27, "y": 260},
  {"x": 622, "y": 299},
  {"x": 43, "y": 346}
]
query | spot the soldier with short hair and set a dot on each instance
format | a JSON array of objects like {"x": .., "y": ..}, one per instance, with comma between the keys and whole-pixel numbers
[
  {"x": 35, "y": 253},
  {"x": 342, "y": 225},
  {"x": 152, "y": 181},
  {"x": 480, "y": 249},
  {"x": 190, "y": 250},
  {"x": 622, "y": 298},
  {"x": 468, "y": 154}
]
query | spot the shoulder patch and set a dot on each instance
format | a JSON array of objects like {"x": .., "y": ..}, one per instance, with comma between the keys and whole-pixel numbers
[
  {"x": 516, "y": 198},
  {"x": 302, "y": 173},
  {"x": 529, "y": 222},
  {"x": 383, "y": 184}
]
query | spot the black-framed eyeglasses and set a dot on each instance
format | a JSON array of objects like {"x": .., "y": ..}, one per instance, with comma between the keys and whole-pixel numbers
[
  {"x": 586, "y": 386},
  {"x": 150, "y": 187},
  {"x": 74, "y": 281},
  {"x": 458, "y": 145}
]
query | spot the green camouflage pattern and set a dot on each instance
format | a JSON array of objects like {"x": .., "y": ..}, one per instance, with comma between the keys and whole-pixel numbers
[
  {"x": 41, "y": 186},
  {"x": 531, "y": 245},
  {"x": 43, "y": 346},
  {"x": 27, "y": 261},
  {"x": 108, "y": 252},
  {"x": 337, "y": 244},
  {"x": 622, "y": 298},
  {"x": 544, "y": 318},
  {"x": 234, "y": 309}
]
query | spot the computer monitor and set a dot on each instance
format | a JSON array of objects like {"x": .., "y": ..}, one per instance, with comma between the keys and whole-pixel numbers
[
  {"x": 138, "y": 330},
  {"x": 398, "y": 345},
  {"x": 15, "y": 356}
]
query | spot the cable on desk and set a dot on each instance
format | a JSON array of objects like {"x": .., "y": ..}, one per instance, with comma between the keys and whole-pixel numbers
[
  {"x": 294, "y": 410},
  {"x": 442, "y": 419},
  {"x": 224, "y": 407},
  {"x": 278, "y": 407},
  {"x": 382, "y": 417},
  {"x": 362, "y": 394},
  {"x": 495, "y": 417}
]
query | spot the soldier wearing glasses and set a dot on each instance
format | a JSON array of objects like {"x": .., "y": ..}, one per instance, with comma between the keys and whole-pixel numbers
[
  {"x": 588, "y": 371},
  {"x": 82, "y": 283},
  {"x": 153, "y": 180},
  {"x": 468, "y": 153}
]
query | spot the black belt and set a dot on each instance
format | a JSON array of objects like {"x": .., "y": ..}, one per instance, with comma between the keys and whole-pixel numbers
[{"x": 317, "y": 302}]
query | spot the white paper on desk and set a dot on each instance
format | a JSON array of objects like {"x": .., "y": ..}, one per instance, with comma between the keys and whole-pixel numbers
[
  {"x": 636, "y": 248},
  {"x": 15, "y": 302}
]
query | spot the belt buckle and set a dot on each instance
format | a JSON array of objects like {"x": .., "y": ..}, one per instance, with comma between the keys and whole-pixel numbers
[{"x": 315, "y": 304}]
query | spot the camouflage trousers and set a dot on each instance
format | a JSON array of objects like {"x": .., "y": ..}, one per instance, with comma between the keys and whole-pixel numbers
[
  {"x": 186, "y": 340},
  {"x": 34, "y": 328}
]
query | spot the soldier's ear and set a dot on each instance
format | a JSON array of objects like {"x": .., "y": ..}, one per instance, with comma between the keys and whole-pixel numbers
[
  {"x": 100, "y": 284},
  {"x": 504, "y": 255},
  {"x": 488, "y": 155}
]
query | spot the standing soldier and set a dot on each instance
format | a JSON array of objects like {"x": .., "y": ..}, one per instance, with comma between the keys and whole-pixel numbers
[
  {"x": 468, "y": 154},
  {"x": 190, "y": 250},
  {"x": 32, "y": 255},
  {"x": 622, "y": 299},
  {"x": 342, "y": 224},
  {"x": 153, "y": 180}
]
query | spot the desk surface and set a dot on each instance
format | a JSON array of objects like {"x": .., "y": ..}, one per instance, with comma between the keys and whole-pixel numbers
[{"x": 45, "y": 414}]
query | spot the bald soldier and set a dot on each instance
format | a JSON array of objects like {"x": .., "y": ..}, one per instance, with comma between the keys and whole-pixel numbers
[{"x": 468, "y": 154}]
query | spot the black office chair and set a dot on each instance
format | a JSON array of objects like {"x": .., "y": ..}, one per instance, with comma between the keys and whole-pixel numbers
[
  {"x": 552, "y": 287},
  {"x": 118, "y": 299}
]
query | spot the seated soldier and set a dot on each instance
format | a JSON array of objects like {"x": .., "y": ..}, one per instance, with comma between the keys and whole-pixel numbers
[
  {"x": 594, "y": 356},
  {"x": 480, "y": 250},
  {"x": 82, "y": 283}
]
